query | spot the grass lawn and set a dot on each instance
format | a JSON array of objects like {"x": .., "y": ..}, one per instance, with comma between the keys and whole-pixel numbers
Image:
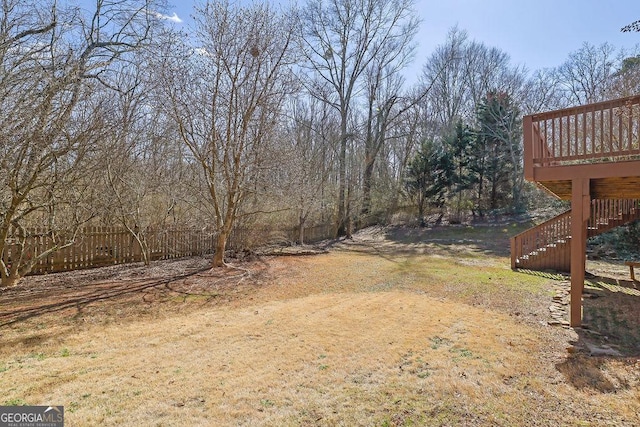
[{"x": 397, "y": 327}]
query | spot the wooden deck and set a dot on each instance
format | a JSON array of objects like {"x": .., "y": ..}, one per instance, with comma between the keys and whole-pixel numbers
[
  {"x": 589, "y": 155},
  {"x": 627, "y": 187}
]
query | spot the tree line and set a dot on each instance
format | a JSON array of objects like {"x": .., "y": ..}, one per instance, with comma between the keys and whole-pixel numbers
[{"x": 260, "y": 114}]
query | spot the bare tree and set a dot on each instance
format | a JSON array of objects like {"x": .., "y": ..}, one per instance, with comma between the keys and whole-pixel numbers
[
  {"x": 461, "y": 72},
  {"x": 626, "y": 80},
  {"x": 311, "y": 131},
  {"x": 490, "y": 69},
  {"x": 381, "y": 99},
  {"x": 341, "y": 40},
  {"x": 143, "y": 166},
  {"x": 634, "y": 26},
  {"x": 51, "y": 61},
  {"x": 500, "y": 129},
  {"x": 587, "y": 75},
  {"x": 383, "y": 92},
  {"x": 226, "y": 96},
  {"x": 541, "y": 92},
  {"x": 446, "y": 71},
  {"x": 406, "y": 135}
]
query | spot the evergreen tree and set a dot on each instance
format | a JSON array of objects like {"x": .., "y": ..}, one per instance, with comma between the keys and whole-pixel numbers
[
  {"x": 458, "y": 144},
  {"x": 429, "y": 176},
  {"x": 497, "y": 153}
]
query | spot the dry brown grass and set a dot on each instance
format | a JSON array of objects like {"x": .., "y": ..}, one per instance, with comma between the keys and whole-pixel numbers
[{"x": 383, "y": 330}]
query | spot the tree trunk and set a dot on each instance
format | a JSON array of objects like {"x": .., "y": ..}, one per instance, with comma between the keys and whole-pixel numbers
[
  {"x": 301, "y": 220},
  {"x": 459, "y": 202},
  {"x": 140, "y": 248},
  {"x": 516, "y": 186},
  {"x": 481, "y": 171},
  {"x": 366, "y": 184},
  {"x": 369, "y": 157},
  {"x": 348, "y": 223},
  {"x": 221, "y": 245},
  {"x": 421, "y": 206},
  {"x": 494, "y": 192},
  {"x": 10, "y": 280},
  {"x": 480, "y": 191},
  {"x": 342, "y": 178}
]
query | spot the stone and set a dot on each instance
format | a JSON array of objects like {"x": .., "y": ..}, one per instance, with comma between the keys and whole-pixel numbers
[{"x": 603, "y": 350}]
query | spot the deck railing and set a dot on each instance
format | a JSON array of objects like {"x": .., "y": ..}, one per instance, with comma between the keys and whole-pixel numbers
[{"x": 594, "y": 133}]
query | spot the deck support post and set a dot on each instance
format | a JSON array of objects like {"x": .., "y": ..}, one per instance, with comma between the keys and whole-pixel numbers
[{"x": 580, "y": 212}]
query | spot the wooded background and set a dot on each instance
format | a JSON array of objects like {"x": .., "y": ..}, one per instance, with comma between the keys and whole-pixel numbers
[{"x": 260, "y": 117}]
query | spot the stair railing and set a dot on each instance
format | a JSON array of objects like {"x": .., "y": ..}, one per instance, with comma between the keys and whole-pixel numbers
[
  {"x": 545, "y": 237},
  {"x": 609, "y": 213},
  {"x": 541, "y": 236}
]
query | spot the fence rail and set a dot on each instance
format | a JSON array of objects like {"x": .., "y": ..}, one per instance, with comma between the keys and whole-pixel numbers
[{"x": 102, "y": 246}]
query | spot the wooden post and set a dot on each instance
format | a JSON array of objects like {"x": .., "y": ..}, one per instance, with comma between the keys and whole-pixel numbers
[
  {"x": 580, "y": 212},
  {"x": 527, "y": 128}
]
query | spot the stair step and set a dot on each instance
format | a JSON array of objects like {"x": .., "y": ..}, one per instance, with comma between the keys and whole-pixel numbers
[{"x": 551, "y": 244}]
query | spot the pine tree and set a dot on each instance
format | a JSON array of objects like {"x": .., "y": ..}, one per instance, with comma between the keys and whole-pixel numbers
[
  {"x": 497, "y": 154},
  {"x": 429, "y": 176},
  {"x": 458, "y": 145}
]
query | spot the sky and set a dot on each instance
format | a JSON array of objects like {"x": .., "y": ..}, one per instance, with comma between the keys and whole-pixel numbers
[
  {"x": 539, "y": 33},
  {"x": 536, "y": 34}
]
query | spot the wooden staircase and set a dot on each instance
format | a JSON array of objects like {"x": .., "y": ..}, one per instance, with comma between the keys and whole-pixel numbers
[
  {"x": 588, "y": 155},
  {"x": 547, "y": 246}
]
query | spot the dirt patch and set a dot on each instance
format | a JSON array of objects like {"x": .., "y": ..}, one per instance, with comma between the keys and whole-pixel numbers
[
  {"x": 100, "y": 294},
  {"x": 379, "y": 331}
]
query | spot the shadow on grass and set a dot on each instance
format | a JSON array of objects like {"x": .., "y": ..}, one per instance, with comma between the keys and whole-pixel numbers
[
  {"x": 33, "y": 306},
  {"x": 588, "y": 373},
  {"x": 611, "y": 314},
  {"x": 554, "y": 275},
  {"x": 611, "y": 330},
  {"x": 486, "y": 238},
  {"x": 372, "y": 248}
]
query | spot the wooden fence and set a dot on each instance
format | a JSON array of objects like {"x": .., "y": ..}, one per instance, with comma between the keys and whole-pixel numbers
[{"x": 103, "y": 246}]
